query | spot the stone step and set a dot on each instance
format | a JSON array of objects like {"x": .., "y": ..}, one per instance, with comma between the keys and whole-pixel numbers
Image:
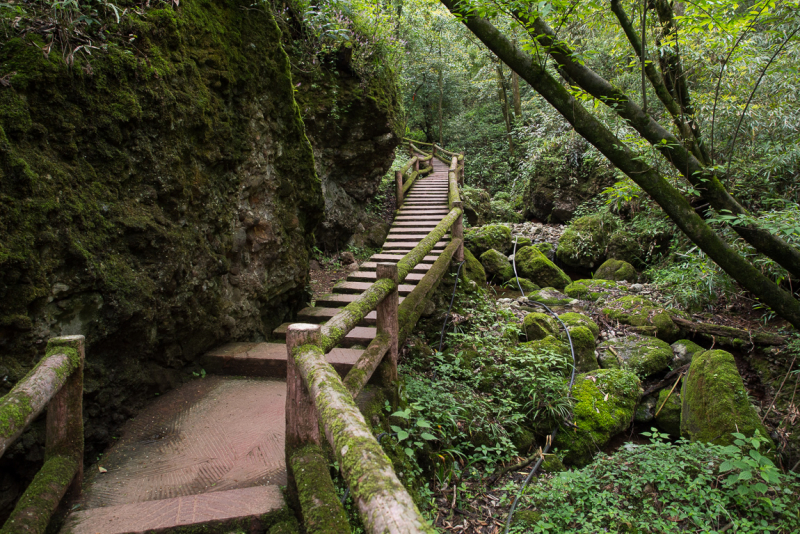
[
  {"x": 267, "y": 359},
  {"x": 418, "y": 268},
  {"x": 338, "y": 300},
  {"x": 318, "y": 314},
  {"x": 360, "y": 335},
  {"x": 360, "y": 287},
  {"x": 367, "y": 276},
  {"x": 218, "y": 511},
  {"x": 395, "y": 257}
]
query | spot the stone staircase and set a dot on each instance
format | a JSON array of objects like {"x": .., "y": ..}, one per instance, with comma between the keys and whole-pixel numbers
[{"x": 209, "y": 456}]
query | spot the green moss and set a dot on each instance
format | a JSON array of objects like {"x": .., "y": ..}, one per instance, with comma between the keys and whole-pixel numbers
[
  {"x": 624, "y": 246},
  {"x": 545, "y": 248},
  {"x": 13, "y": 414},
  {"x": 550, "y": 297},
  {"x": 527, "y": 286},
  {"x": 535, "y": 266},
  {"x": 669, "y": 418},
  {"x": 473, "y": 271},
  {"x": 523, "y": 439},
  {"x": 617, "y": 270},
  {"x": 539, "y": 325},
  {"x": 521, "y": 241},
  {"x": 497, "y": 265},
  {"x": 583, "y": 243},
  {"x": 605, "y": 401},
  {"x": 526, "y": 518},
  {"x": 320, "y": 506},
  {"x": 583, "y": 342},
  {"x": 529, "y": 353},
  {"x": 590, "y": 289},
  {"x": 640, "y": 312},
  {"x": 644, "y": 356},
  {"x": 552, "y": 464},
  {"x": 715, "y": 402},
  {"x": 578, "y": 319},
  {"x": 479, "y": 240}
]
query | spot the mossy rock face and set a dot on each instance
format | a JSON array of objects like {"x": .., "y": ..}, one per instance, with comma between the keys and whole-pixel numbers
[
  {"x": 496, "y": 265},
  {"x": 535, "y": 266},
  {"x": 552, "y": 464},
  {"x": 646, "y": 409},
  {"x": 550, "y": 297},
  {"x": 643, "y": 313},
  {"x": 605, "y": 401},
  {"x": 669, "y": 418},
  {"x": 473, "y": 270},
  {"x": 527, "y": 286},
  {"x": 583, "y": 342},
  {"x": 538, "y": 325},
  {"x": 683, "y": 350},
  {"x": 285, "y": 527},
  {"x": 591, "y": 289},
  {"x": 578, "y": 319},
  {"x": 616, "y": 270},
  {"x": 714, "y": 401},
  {"x": 624, "y": 246},
  {"x": 583, "y": 244},
  {"x": 548, "y": 249},
  {"x": 496, "y": 236},
  {"x": 477, "y": 206},
  {"x": 644, "y": 356}
]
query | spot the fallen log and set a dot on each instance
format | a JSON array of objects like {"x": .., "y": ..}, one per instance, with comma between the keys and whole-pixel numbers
[{"x": 711, "y": 329}]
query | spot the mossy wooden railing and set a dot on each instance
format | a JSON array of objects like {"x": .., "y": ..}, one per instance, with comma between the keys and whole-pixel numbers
[
  {"x": 318, "y": 400},
  {"x": 441, "y": 154},
  {"x": 402, "y": 183},
  {"x": 56, "y": 383}
]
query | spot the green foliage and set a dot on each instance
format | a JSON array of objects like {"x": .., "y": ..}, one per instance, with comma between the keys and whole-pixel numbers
[{"x": 671, "y": 487}]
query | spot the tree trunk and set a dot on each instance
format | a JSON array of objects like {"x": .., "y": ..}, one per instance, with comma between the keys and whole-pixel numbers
[
  {"x": 502, "y": 95},
  {"x": 517, "y": 98},
  {"x": 670, "y": 199}
]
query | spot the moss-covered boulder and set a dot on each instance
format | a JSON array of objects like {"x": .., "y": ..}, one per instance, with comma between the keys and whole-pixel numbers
[
  {"x": 578, "y": 319},
  {"x": 521, "y": 241},
  {"x": 591, "y": 289},
  {"x": 651, "y": 318},
  {"x": 714, "y": 401},
  {"x": 683, "y": 350},
  {"x": 473, "y": 270},
  {"x": 550, "y": 297},
  {"x": 547, "y": 249},
  {"x": 669, "y": 412},
  {"x": 527, "y": 286},
  {"x": 523, "y": 439},
  {"x": 583, "y": 244},
  {"x": 552, "y": 464},
  {"x": 503, "y": 211},
  {"x": 583, "y": 341},
  {"x": 535, "y": 266},
  {"x": 616, "y": 270},
  {"x": 605, "y": 401},
  {"x": 497, "y": 265},
  {"x": 538, "y": 325},
  {"x": 646, "y": 409},
  {"x": 623, "y": 245},
  {"x": 642, "y": 355},
  {"x": 479, "y": 240},
  {"x": 477, "y": 205}
]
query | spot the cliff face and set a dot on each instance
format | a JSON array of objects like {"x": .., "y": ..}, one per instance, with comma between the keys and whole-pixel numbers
[{"x": 158, "y": 198}]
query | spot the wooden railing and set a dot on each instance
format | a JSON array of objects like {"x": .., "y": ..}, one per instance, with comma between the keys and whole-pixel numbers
[
  {"x": 57, "y": 384},
  {"x": 402, "y": 183},
  {"x": 437, "y": 151},
  {"x": 318, "y": 400}
]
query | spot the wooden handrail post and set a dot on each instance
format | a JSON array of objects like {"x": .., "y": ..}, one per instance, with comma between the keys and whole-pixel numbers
[
  {"x": 301, "y": 415},
  {"x": 64, "y": 426},
  {"x": 434, "y": 150},
  {"x": 457, "y": 231},
  {"x": 398, "y": 178},
  {"x": 416, "y": 165},
  {"x": 387, "y": 315}
]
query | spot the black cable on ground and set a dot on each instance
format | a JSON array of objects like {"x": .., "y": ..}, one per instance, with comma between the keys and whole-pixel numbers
[
  {"x": 551, "y": 438},
  {"x": 452, "y": 298}
]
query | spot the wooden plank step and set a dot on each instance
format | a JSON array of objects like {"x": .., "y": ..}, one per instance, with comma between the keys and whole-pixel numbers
[
  {"x": 395, "y": 257},
  {"x": 360, "y": 287},
  {"x": 411, "y": 244},
  {"x": 413, "y": 224},
  {"x": 360, "y": 335},
  {"x": 266, "y": 359},
  {"x": 418, "y": 218},
  {"x": 418, "y": 268},
  {"x": 412, "y": 230},
  {"x": 367, "y": 276},
  {"x": 338, "y": 300},
  {"x": 414, "y": 237},
  {"x": 319, "y": 314}
]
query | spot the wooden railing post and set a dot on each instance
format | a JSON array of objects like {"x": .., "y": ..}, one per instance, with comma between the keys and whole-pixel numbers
[
  {"x": 64, "y": 426},
  {"x": 388, "y": 316},
  {"x": 434, "y": 150},
  {"x": 398, "y": 178},
  {"x": 416, "y": 165},
  {"x": 301, "y": 415},
  {"x": 457, "y": 232}
]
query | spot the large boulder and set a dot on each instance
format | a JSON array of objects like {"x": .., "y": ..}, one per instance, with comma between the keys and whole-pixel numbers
[
  {"x": 572, "y": 319},
  {"x": 605, "y": 401},
  {"x": 618, "y": 270},
  {"x": 583, "y": 341},
  {"x": 502, "y": 210},
  {"x": 714, "y": 401},
  {"x": 473, "y": 271},
  {"x": 550, "y": 297},
  {"x": 477, "y": 206},
  {"x": 669, "y": 412},
  {"x": 642, "y": 355},
  {"x": 497, "y": 265},
  {"x": 683, "y": 351},
  {"x": 592, "y": 289},
  {"x": 648, "y": 317},
  {"x": 479, "y": 240},
  {"x": 527, "y": 286},
  {"x": 539, "y": 325},
  {"x": 583, "y": 244},
  {"x": 565, "y": 174},
  {"x": 535, "y": 266}
]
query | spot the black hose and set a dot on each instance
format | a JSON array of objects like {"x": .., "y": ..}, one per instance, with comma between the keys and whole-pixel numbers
[
  {"x": 452, "y": 298},
  {"x": 552, "y": 436}
]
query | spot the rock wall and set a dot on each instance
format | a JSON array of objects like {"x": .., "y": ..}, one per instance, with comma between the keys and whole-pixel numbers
[{"x": 159, "y": 198}]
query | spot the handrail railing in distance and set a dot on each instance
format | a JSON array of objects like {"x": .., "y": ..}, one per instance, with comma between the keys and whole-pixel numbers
[
  {"x": 316, "y": 394},
  {"x": 401, "y": 184},
  {"x": 57, "y": 384}
]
